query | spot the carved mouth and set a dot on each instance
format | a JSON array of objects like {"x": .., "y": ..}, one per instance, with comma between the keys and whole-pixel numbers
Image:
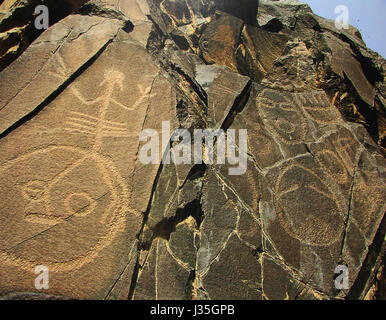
[{"x": 42, "y": 218}]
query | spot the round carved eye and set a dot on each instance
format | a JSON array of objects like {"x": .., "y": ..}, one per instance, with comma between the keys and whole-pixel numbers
[
  {"x": 80, "y": 203},
  {"x": 286, "y": 126}
]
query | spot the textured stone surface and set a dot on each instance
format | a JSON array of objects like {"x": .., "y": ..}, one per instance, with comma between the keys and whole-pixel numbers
[
  {"x": 17, "y": 29},
  {"x": 75, "y": 197}
]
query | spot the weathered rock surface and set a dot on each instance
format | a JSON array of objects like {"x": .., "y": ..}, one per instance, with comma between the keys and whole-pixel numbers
[
  {"x": 17, "y": 29},
  {"x": 75, "y": 197}
]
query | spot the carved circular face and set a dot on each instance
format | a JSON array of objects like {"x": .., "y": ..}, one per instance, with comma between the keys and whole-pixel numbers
[
  {"x": 282, "y": 117},
  {"x": 307, "y": 209},
  {"x": 63, "y": 205}
]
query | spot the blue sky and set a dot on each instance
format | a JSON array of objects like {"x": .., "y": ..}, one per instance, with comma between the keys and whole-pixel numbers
[{"x": 366, "y": 15}]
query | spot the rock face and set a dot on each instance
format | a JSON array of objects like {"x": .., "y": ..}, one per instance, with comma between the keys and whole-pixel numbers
[
  {"x": 17, "y": 29},
  {"x": 76, "y": 198}
]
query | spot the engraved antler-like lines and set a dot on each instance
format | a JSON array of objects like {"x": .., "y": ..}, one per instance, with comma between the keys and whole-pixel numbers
[
  {"x": 98, "y": 126},
  {"x": 86, "y": 124}
]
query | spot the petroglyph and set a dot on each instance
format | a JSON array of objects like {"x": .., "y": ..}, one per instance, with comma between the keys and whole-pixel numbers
[
  {"x": 316, "y": 105},
  {"x": 86, "y": 124},
  {"x": 318, "y": 218},
  {"x": 282, "y": 116},
  {"x": 334, "y": 165},
  {"x": 338, "y": 156},
  {"x": 365, "y": 212},
  {"x": 294, "y": 70},
  {"x": 59, "y": 197},
  {"x": 56, "y": 195},
  {"x": 76, "y": 197},
  {"x": 292, "y": 117},
  {"x": 99, "y": 126}
]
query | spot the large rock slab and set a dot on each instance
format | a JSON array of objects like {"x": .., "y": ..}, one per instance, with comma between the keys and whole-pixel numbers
[
  {"x": 50, "y": 62},
  {"x": 79, "y": 210},
  {"x": 76, "y": 198},
  {"x": 17, "y": 28}
]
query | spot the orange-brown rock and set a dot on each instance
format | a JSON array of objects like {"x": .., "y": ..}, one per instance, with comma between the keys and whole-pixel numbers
[{"x": 76, "y": 198}]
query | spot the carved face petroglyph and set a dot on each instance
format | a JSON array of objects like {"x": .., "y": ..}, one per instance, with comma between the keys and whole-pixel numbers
[
  {"x": 54, "y": 199},
  {"x": 82, "y": 188},
  {"x": 72, "y": 200},
  {"x": 62, "y": 191},
  {"x": 282, "y": 117},
  {"x": 317, "y": 218}
]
